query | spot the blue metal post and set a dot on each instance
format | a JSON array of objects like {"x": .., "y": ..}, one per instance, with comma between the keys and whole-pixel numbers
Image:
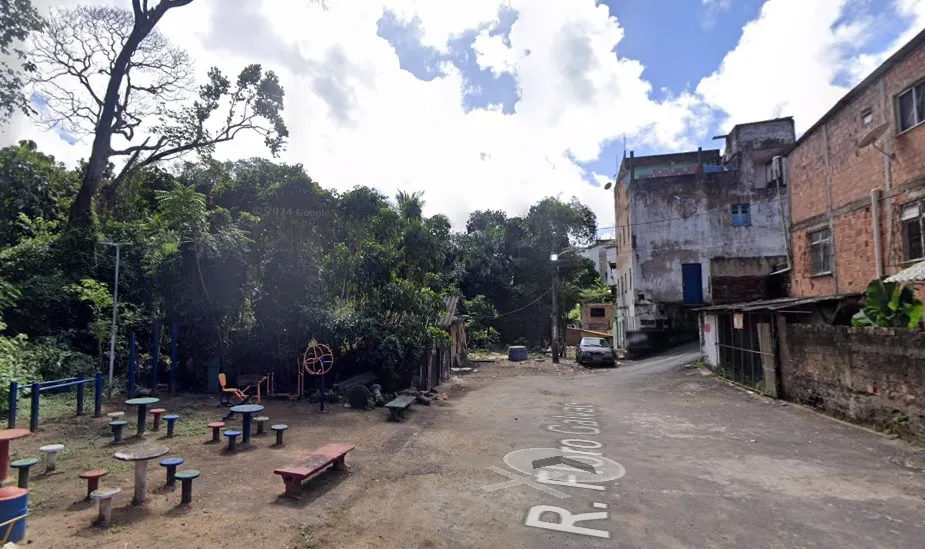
[
  {"x": 14, "y": 401},
  {"x": 98, "y": 395},
  {"x": 34, "y": 416},
  {"x": 131, "y": 365},
  {"x": 155, "y": 343},
  {"x": 80, "y": 395},
  {"x": 173, "y": 356}
]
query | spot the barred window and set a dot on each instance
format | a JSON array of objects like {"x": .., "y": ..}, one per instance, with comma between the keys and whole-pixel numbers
[{"x": 820, "y": 249}]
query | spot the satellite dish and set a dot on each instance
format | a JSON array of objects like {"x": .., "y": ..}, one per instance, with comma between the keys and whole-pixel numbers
[
  {"x": 872, "y": 135},
  {"x": 607, "y": 186}
]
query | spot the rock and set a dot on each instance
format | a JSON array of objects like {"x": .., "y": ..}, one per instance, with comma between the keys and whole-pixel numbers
[
  {"x": 423, "y": 400},
  {"x": 377, "y": 395},
  {"x": 358, "y": 397},
  {"x": 410, "y": 392}
]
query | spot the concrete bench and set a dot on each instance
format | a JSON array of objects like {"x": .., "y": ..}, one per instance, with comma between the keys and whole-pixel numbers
[
  {"x": 294, "y": 473},
  {"x": 398, "y": 406}
]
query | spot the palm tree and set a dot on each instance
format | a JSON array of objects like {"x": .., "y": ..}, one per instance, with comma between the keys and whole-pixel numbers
[{"x": 410, "y": 205}]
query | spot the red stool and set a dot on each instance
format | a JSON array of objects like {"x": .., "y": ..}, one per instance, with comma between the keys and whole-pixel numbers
[
  {"x": 216, "y": 426},
  {"x": 157, "y": 412},
  {"x": 93, "y": 480}
]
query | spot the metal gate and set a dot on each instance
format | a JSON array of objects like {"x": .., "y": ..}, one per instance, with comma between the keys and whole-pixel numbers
[{"x": 741, "y": 355}]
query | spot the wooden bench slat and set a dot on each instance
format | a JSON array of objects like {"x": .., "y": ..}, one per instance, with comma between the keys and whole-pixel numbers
[{"x": 319, "y": 459}]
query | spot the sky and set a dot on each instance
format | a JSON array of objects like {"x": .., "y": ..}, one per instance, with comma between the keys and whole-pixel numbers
[{"x": 496, "y": 104}]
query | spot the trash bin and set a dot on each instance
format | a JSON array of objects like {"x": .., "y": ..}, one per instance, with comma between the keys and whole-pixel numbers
[{"x": 14, "y": 502}]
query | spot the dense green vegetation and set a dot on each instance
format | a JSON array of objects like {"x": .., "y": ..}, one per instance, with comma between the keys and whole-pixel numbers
[{"x": 254, "y": 259}]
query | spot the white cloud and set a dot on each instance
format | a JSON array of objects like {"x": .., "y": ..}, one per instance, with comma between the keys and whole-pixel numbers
[{"x": 357, "y": 118}]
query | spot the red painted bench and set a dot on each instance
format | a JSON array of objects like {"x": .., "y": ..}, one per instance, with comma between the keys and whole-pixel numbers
[{"x": 294, "y": 473}]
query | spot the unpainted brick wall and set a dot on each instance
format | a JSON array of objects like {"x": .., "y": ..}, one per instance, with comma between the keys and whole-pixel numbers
[
  {"x": 873, "y": 376},
  {"x": 830, "y": 177}
]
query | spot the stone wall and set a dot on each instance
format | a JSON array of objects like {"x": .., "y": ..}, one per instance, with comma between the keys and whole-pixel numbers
[{"x": 873, "y": 376}]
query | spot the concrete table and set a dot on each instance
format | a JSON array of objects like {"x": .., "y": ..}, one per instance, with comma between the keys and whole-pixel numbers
[
  {"x": 6, "y": 435},
  {"x": 141, "y": 454},
  {"x": 246, "y": 410},
  {"x": 142, "y": 404}
]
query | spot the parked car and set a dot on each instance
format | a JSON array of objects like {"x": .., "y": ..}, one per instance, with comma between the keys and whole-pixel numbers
[{"x": 595, "y": 350}]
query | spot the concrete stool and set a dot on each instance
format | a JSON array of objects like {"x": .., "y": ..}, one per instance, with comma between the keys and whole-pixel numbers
[
  {"x": 117, "y": 430},
  {"x": 171, "y": 419},
  {"x": 157, "y": 413},
  {"x": 279, "y": 433},
  {"x": 171, "y": 464},
  {"x": 186, "y": 483},
  {"x": 260, "y": 421},
  {"x": 23, "y": 465},
  {"x": 216, "y": 427},
  {"x": 51, "y": 454},
  {"x": 115, "y": 416},
  {"x": 93, "y": 480},
  {"x": 232, "y": 438},
  {"x": 105, "y": 497}
]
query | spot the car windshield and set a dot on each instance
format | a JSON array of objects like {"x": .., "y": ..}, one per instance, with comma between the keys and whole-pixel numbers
[{"x": 593, "y": 342}]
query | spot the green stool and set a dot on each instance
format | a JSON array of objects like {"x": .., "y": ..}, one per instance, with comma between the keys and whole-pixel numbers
[
  {"x": 186, "y": 482},
  {"x": 280, "y": 429},
  {"x": 23, "y": 466}
]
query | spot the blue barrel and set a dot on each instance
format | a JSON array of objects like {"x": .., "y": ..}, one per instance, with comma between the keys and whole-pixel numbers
[
  {"x": 517, "y": 353},
  {"x": 13, "y": 504}
]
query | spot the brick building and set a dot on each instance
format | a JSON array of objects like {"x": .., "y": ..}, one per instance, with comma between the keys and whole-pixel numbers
[
  {"x": 597, "y": 317},
  {"x": 857, "y": 182}
]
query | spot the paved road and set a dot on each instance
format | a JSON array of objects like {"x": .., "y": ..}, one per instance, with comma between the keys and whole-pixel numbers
[{"x": 706, "y": 465}]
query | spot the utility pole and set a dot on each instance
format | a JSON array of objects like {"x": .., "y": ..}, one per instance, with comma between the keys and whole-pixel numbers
[
  {"x": 554, "y": 258},
  {"x": 115, "y": 306}
]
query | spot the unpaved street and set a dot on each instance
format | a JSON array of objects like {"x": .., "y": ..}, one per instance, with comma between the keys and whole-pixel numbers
[{"x": 707, "y": 465}]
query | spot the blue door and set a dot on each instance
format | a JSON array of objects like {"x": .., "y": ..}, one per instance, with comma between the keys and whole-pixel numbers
[{"x": 692, "y": 281}]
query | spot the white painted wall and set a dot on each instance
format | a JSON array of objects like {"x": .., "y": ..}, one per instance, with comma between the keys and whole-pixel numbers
[{"x": 708, "y": 339}]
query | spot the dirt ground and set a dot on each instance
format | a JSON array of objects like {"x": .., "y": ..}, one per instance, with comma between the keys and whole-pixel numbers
[
  {"x": 707, "y": 465},
  {"x": 236, "y": 499}
]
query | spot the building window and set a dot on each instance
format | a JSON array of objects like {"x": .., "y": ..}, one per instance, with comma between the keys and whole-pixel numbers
[
  {"x": 913, "y": 242},
  {"x": 597, "y": 312},
  {"x": 867, "y": 116},
  {"x": 740, "y": 215},
  {"x": 911, "y": 107},
  {"x": 820, "y": 249}
]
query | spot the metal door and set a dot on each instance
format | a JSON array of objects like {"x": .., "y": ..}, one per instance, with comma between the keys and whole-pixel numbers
[{"x": 692, "y": 283}]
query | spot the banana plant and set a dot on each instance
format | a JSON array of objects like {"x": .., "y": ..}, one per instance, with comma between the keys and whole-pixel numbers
[{"x": 889, "y": 305}]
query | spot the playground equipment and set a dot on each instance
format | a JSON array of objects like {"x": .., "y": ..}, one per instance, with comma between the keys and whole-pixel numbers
[
  {"x": 273, "y": 391},
  {"x": 39, "y": 387},
  {"x": 317, "y": 361},
  {"x": 232, "y": 396},
  {"x": 155, "y": 359}
]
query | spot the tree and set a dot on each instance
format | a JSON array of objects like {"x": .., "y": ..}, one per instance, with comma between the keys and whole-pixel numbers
[
  {"x": 19, "y": 19},
  {"x": 108, "y": 72}
]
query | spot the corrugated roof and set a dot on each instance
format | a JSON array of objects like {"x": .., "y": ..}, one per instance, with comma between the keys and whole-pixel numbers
[
  {"x": 775, "y": 304},
  {"x": 915, "y": 273},
  {"x": 447, "y": 318}
]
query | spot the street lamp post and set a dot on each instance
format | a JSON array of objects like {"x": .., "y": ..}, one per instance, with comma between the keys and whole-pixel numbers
[
  {"x": 554, "y": 258},
  {"x": 115, "y": 305}
]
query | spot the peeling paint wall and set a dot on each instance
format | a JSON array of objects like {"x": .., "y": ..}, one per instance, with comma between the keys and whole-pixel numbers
[{"x": 688, "y": 219}]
